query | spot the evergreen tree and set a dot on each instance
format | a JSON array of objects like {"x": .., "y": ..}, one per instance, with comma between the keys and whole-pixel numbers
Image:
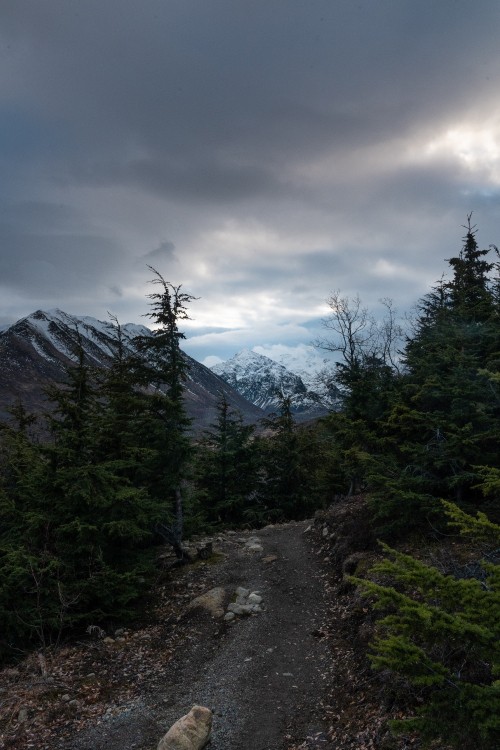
[
  {"x": 163, "y": 371},
  {"x": 100, "y": 519},
  {"x": 286, "y": 490},
  {"x": 445, "y": 417},
  {"x": 29, "y": 602},
  {"x": 367, "y": 374},
  {"x": 440, "y": 633},
  {"x": 226, "y": 467}
]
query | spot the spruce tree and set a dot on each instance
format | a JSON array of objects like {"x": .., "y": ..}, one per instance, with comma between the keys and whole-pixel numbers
[
  {"x": 164, "y": 371},
  {"x": 444, "y": 417},
  {"x": 101, "y": 520},
  {"x": 286, "y": 489},
  {"x": 29, "y": 602},
  {"x": 440, "y": 633},
  {"x": 226, "y": 468}
]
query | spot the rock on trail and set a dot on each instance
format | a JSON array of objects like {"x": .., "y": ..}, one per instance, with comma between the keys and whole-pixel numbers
[{"x": 260, "y": 675}]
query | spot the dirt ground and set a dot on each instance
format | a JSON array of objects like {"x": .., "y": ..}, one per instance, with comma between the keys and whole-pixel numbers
[{"x": 264, "y": 676}]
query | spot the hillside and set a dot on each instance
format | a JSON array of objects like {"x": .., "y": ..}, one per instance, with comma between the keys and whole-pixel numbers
[{"x": 35, "y": 352}]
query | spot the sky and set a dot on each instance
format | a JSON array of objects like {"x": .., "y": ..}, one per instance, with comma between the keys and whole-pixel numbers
[{"x": 262, "y": 153}]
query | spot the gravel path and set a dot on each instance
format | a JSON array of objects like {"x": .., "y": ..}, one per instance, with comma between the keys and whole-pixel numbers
[{"x": 261, "y": 675}]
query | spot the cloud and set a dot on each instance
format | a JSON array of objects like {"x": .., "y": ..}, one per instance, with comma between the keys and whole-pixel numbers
[
  {"x": 261, "y": 154},
  {"x": 211, "y": 361},
  {"x": 165, "y": 251}
]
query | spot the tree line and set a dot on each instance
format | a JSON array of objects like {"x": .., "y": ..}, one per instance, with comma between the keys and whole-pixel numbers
[
  {"x": 84, "y": 513},
  {"x": 420, "y": 418},
  {"x": 419, "y": 435}
]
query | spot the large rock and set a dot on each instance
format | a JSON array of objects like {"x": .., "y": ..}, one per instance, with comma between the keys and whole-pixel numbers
[
  {"x": 191, "y": 732},
  {"x": 212, "y": 601}
]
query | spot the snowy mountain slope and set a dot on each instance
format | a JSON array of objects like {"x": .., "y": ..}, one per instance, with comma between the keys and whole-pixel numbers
[
  {"x": 316, "y": 371},
  {"x": 35, "y": 352},
  {"x": 259, "y": 379}
]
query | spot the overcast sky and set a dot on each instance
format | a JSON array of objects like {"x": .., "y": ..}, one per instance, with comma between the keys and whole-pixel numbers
[{"x": 262, "y": 153}]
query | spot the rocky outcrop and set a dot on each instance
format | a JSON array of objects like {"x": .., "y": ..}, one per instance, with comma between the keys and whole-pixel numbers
[{"x": 190, "y": 732}]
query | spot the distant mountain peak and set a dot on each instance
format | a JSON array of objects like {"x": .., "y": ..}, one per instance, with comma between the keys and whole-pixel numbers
[{"x": 260, "y": 380}]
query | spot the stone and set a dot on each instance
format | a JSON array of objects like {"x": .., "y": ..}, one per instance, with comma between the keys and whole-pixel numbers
[
  {"x": 269, "y": 558},
  {"x": 22, "y": 716},
  {"x": 254, "y": 598},
  {"x": 254, "y": 544},
  {"x": 253, "y": 540},
  {"x": 241, "y": 609},
  {"x": 255, "y": 547},
  {"x": 245, "y": 609},
  {"x": 241, "y": 592},
  {"x": 190, "y": 732},
  {"x": 212, "y": 601},
  {"x": 229, "y": 616}
]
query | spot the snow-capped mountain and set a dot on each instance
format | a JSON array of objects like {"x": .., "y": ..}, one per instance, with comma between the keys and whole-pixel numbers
[
  {"x": 35, "y": 352},
  {"x": 316, "y": 371},
  {"x": 259, "y": 379}
]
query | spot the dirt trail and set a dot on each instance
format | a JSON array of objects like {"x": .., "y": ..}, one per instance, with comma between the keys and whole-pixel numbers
[{"x": 261, "y": 675}]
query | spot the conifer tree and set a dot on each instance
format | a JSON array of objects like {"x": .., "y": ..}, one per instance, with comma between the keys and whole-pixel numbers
[
  {"x": 28, "y": 596},
  {"x": 101, "y": 520},
  {"x": 226, "y": 467},
  {"x": 367, "y": 374},
  {"x": 445, "y": 419},
  {"x": 286, "y": 491},
  {"x": 164, "y": 371},
  {"x": 440, "y": 633}
]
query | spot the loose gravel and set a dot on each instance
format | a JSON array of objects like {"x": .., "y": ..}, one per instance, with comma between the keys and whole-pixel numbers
[{"x": 261, "y": 675}]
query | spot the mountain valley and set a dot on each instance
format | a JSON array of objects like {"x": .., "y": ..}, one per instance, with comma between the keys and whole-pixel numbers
[{"x": 35, "y": 352}]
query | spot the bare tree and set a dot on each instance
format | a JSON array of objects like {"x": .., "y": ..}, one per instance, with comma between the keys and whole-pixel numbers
[
  {"x": 354, "y": 329},
  {"x": 357, "y": 336}
]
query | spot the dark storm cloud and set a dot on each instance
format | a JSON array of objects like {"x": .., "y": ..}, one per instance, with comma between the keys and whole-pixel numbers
[
  {"x": 214, "y": 96},
  {"x": 285, "y": 148},
  {"x": 49, "y": 248},
  {"x": 209, "y": 181}
]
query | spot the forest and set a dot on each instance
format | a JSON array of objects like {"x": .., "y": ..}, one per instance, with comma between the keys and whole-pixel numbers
[{"x": 87, "y": 503}]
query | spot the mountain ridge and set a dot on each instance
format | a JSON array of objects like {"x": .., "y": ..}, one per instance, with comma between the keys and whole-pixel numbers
[
  {"x": 261, "y": 379},
  {"x": 36, "y": 350}
]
